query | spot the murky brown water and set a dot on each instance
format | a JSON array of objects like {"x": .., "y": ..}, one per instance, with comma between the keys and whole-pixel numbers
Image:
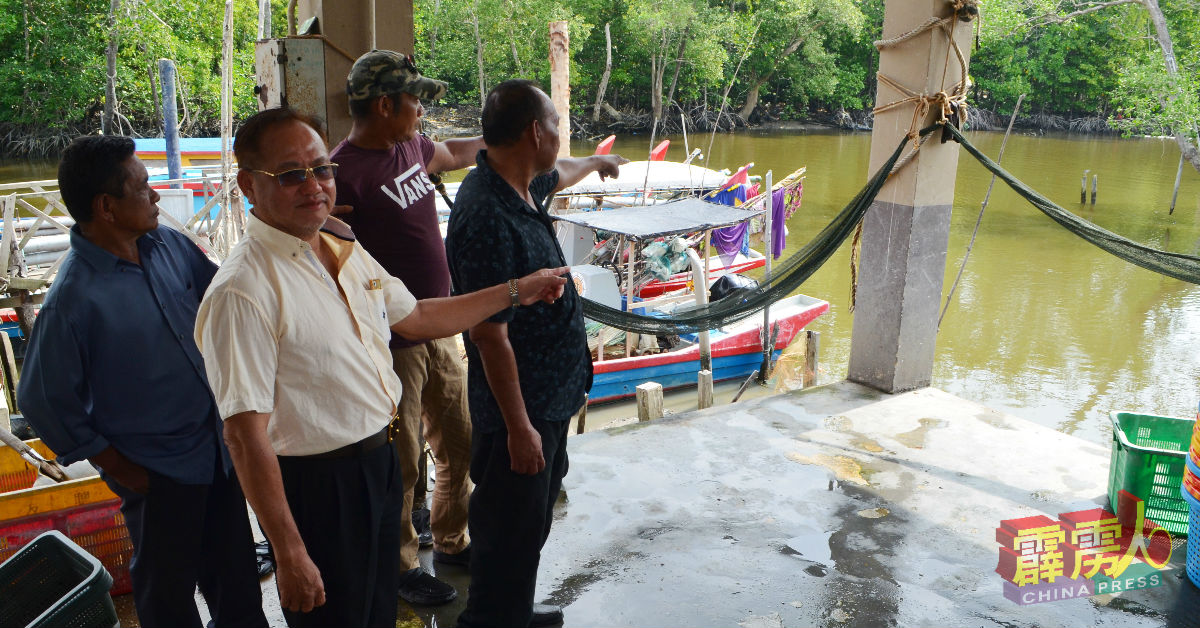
[{"x": 1043, "y": 325}]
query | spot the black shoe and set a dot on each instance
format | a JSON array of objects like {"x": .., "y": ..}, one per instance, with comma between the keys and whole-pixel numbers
[
  {"x": 265, "y": 559},
  {"x": 462, "y": 559},
  {"x": 546, "y": 615},
  {"x": 418, "y": 586},
  {"x": 420, "y": 519}
]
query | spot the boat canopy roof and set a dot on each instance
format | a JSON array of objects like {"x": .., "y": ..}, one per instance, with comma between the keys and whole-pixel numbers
[
  {"x": 683, "y": 216},
  {"x": 662, "y": 175}
]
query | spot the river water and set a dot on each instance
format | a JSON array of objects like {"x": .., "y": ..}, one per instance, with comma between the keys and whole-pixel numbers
[{"x": 1043, "y": 325}]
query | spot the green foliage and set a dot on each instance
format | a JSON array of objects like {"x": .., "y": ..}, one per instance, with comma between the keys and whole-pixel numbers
[
  {"x": 795, "y": 55},
  {"x": 51, "y": 60}
]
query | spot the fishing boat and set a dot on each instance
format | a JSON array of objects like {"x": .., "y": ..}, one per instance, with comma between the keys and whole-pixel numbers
[{"x": 735, "y": 351}]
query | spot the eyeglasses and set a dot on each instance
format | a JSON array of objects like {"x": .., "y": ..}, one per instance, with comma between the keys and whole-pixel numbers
[{"x": 288, "y": 178}]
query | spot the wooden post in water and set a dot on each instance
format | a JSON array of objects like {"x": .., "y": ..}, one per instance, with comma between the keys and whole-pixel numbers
[
  {"x": 1095, "y": 184},
  {"x": 649, "y": 401},
  {"x": 170, "y": 113},
  {"x": 1083, "y": 187},
  {"x": 812, "y": 342},
  {"x": 704, "y": 389},
  {"x": 1178, "y": 176},
  {"x": 560, "y": 83}
]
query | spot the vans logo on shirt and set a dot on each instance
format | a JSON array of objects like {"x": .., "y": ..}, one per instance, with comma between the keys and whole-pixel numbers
[{"x": 412, "y": 185}]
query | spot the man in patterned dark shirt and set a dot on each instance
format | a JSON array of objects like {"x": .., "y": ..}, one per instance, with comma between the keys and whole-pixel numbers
[{"x": 528, "y": 370}]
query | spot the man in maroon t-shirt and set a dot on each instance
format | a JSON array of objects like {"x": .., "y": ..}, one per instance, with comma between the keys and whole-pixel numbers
[{"x": 383, "y": 177}]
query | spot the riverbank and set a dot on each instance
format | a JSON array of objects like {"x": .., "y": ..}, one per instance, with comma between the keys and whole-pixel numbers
[{"x": 462, "y": 120}]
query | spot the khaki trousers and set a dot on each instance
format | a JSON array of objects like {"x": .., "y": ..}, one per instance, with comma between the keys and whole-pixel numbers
[{"x": 435, "y": 395}]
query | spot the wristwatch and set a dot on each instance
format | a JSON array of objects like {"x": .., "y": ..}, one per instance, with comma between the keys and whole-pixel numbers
[{"x": 512, "y": 292}]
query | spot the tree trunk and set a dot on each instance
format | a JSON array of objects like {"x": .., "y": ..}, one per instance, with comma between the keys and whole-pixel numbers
[
  {"x": 678, "y": 62},
  {"x": 512, "y": 41},
  {"x": 264, "y": 19},
  {"x": 751, "y": 98},
  {"x": 110, "y": 86},
  {"x": 607, "y": 73},
  {"x": 291, "y": 18},
  {"x": 478, "y": 53},
  {"x": 154, "y": 96},
  {"x": 1187, "y": 144},
  {"x": 27, "y": 30},
  {"x": 437, "y": 6},
  {"x": 658, "y": 68},
  {"x": 757, "y": 83}
]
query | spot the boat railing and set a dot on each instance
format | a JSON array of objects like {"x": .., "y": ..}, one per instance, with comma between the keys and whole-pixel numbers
[{"x": 36, "y": 228}]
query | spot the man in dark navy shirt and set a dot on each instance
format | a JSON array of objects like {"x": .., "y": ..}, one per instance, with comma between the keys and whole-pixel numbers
[
  {"x": 113, "y": 375},
  {"x": 528, "y": 370}
]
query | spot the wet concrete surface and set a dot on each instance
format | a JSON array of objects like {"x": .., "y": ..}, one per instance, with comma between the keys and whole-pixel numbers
[{"x": 834, "y": 506}]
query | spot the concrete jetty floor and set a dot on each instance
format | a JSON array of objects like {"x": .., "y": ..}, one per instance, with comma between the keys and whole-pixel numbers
[{"x": 834, "y": 506}]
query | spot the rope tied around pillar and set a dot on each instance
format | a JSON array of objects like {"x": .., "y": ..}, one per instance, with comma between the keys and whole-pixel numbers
[{"x": 951, "y": 103}]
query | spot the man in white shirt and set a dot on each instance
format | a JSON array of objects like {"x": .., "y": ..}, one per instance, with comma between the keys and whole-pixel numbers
[{"x": 294, "y": 331}]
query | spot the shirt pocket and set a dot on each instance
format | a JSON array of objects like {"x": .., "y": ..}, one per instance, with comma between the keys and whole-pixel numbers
[{"x": 377, "y": 313}]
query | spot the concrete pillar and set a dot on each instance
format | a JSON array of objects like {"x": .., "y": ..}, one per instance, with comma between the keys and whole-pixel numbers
[
  {"x": 906, "y": 230},
  {"x": 354, "y": 27},
  {"x": 560, "y": 83}
]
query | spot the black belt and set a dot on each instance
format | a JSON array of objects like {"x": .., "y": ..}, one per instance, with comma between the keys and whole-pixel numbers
[{"x": 378, "y": 439}]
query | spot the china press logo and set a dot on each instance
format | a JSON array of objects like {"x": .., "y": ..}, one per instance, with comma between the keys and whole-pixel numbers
[{"x": 1083, "y": 553}]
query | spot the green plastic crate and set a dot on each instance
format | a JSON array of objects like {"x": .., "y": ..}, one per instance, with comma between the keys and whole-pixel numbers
[
  {"x": 54, "y": 583},
  {"x": 1148, "y": 454}
]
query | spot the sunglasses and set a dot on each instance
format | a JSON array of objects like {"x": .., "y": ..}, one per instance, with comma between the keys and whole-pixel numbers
[{"x": 288, "y": 178}]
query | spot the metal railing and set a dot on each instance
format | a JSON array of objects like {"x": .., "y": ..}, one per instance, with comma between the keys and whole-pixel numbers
[{"x": 36, "y": 228}]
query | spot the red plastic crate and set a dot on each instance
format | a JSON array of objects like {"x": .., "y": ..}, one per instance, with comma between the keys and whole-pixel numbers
[
  {"x": 16, "y": 534},
  {"x": 84, "y": 510},
  {"x": 100, "y": 529}
]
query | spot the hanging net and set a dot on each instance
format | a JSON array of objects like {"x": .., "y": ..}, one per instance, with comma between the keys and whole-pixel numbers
[
  {"x": 793, "y": 271},
  {"x": 1177, "y": 265},
  {"x": 785, "y": 278}
]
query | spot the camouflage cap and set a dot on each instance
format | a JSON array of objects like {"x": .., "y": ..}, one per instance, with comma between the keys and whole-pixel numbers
[{"x": 382, "y": 72}]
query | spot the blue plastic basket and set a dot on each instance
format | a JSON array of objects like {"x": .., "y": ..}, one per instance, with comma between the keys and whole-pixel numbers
[{"x": 1193, "y": 544}]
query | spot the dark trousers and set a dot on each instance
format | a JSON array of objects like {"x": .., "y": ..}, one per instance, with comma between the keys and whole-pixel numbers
[
  {"x": 509, "y": 520},
  {"x": 186, "y": 535},
  {"x": 349, "y": 512}
]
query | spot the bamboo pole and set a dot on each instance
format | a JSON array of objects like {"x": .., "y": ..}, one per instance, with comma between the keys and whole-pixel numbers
[
  {"x": 1178, "y": 177},
  {"x": 230, "y": 236},
  {"x": 764, "y": 371},
  {"x": 701, "y": 285},
  {"x": 629, "y": 294}
]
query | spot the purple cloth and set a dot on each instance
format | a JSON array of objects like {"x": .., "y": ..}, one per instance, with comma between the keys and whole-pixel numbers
[
  {"x": 778, "y": 219},
  {"x": 730, "y": 240}
]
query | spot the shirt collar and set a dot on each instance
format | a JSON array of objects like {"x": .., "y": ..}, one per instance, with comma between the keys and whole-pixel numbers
[
  {"x": 101, "y": 259},
  {"x": 285, "y": 244},
  {"x": 504, "y": 191}
]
